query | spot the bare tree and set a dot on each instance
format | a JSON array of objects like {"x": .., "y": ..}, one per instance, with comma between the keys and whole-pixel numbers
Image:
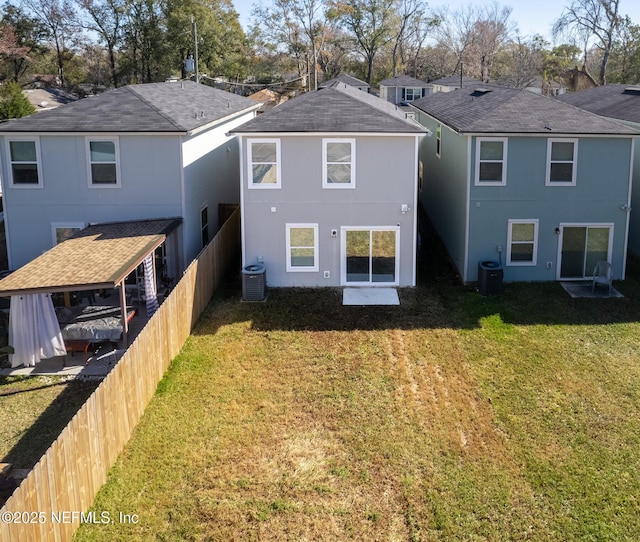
[
  {"x": 592, "y": 18},
  {"x": 371, "y": 23},
  {"x": 475, "y": 35},
  {"x": 105, "y": 17},
  {"x": 59, "y": 20}
]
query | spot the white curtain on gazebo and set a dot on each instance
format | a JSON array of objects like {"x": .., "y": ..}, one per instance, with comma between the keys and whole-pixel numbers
[
  {"x": 34, "y": 331},
  {"x": 151, "y": 297}
]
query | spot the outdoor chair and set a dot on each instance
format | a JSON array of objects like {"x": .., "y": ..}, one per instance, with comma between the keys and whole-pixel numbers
[{"x": 602, "y": 274}]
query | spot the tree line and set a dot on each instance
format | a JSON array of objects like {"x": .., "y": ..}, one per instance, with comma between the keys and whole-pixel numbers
[{"x": 108, "y": 43}]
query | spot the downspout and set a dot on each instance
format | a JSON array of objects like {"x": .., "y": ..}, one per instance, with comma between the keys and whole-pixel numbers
[
  {"x": 467, "y": 213},
  {"x": 242, "y": 214},
  {"x": 628, "y": 210}
]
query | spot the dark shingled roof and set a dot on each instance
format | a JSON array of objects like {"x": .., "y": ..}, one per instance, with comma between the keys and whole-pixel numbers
[
  {"x": 154, "y": 107},
  {"x": 338, "y": 108},
  {"x": 404, "y": 81},
  {"x": 346, "y": 79},
  {"x": 454, "y": 81},
  {"x": 493, "y": 109},
  {"x": 613, "y": 101}
]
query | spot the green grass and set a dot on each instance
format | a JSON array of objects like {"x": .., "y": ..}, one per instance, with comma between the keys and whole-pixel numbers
[
  {"x": 33, "y": 412},
  {"x": 451, "y": 417}
]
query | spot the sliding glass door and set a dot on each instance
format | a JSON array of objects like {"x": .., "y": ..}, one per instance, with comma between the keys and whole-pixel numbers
[
  {"x": 370, "y": 256},
  {"x": 581, "y": 247}
]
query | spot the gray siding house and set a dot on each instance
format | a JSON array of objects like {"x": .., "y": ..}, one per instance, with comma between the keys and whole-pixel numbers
[
  {"x": 620, "y": 102},
  {"x": 347, "y": 80},
  {"x": 538, "y": 185},
  {"x": 138, "y": 152},
  {"x": 329, "y": 191},
  {"x": 403, "y": 89}
]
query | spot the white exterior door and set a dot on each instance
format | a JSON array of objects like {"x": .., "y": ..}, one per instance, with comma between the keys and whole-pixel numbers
[
  {"x": 370, "y": 256},
  {"x": 580, "y": 247}
]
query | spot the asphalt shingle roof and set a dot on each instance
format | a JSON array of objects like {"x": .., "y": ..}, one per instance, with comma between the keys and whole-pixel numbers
[
  {"x": 613, "y": 101},
  {"x": 404, "y": 81},
  {"x": 493, "y": 109},
  {"x": 338, "y": 108},
  {"x": 100, "y": 254},
  {"x": 454, "y": 81},
  {"x": 346, "y": 79},
  {"x": 153, "y": 107}
]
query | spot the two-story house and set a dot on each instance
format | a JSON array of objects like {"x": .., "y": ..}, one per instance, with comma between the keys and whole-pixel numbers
[
  {"x": 519, "y": 178},
  {"x": 329, "y": 191},
  {"x": 137, "y": 152},
  {"x": 403, "y": 89},
  {"x": 620, "y": 102}
]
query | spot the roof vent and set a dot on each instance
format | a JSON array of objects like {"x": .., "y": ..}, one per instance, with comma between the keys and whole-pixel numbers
[
  {"x": 632, "y": 90},
  {"x": 548, "y": 128},
  {"x": 480, "y": 91}
]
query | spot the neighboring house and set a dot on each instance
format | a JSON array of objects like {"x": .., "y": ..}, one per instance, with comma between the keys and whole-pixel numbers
[
  {"x": 44, "y": 99},
  {"x": 545, "y": 87},
  {"x": 447, "y": 84},
  {"x": 347, "y": 80},
  {"x": 403, "y": 89},
  {"x": 620, "y": 102},
  {"x": 329, "y": 190},
  {"x": 268, "y": 99},
  {"x": 514, "y": 177},
  {"x": 138, "y": 152}
]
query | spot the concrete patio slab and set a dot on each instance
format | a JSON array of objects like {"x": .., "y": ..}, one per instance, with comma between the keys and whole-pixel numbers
[
  {"x": 370, "y": 296},
  {"x": 584, "y": 289}
]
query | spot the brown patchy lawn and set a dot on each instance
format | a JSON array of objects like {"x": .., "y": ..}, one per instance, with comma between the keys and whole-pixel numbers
[{"x": 451, "y": 417}]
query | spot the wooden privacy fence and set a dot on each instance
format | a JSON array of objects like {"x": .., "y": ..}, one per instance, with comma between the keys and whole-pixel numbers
[{"x": 52, "y": 500}]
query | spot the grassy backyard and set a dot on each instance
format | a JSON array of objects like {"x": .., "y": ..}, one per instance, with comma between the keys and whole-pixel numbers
[{"x": 451, "y": 417}]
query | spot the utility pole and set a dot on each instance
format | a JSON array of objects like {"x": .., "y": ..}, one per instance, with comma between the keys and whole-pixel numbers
[{"x": 194, "y": 33}]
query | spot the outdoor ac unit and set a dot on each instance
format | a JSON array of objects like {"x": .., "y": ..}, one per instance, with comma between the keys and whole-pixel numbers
[{"x": 254, "y": 282}]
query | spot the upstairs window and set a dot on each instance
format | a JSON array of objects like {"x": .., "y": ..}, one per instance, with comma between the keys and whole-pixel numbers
[
  {"x": 24, "y": 158},
  {"x": 438, "y": 140},
  {"x": 264, "y": 163},
  {"x": 561, "y": 162},
  {"x": 338, "y": 161},
  {"x": 103, "y": 162},
  {"x": 491, "y": 161}
]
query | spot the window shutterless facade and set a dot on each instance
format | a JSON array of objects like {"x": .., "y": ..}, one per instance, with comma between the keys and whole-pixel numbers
[
  {"x": 562, "y": 157},
  {"x": 103, "y": 162},
  {"x": 263, "y": 156},
  {"x": 204, "y": 225},
  {"x": 302, "y": 247},
  {"x": 338, "y": 163},
  {"x": 61, "y": 231},
  {"x": 411, "y": 94},
  {"x": 491, "y": 161},
  {"x": 438, "y": 140},
  {"x": 522, "y": 242},
  {"x": 24, "y": 162}
]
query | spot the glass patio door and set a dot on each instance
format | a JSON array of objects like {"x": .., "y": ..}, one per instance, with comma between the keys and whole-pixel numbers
[
  {"x": 582, "y": 247},
  {"x": 370, "y": 256}
]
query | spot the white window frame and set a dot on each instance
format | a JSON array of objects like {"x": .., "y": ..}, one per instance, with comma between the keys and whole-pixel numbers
[
  {"x": 574, "y": 162},
  {"x": 414, "y": 91},
  {"x": 35, "y": 140},
  {"x": 343, "y": 255},
  {"x": 296, "y": 268},
  {"x": 116, "y": 142},
  {"x": 60, "y": 225},
  {"x": 479, "y": 142},
  {"x": 439, "y": 140},
  {"x": 263, "y": 186},
  {"x": 534, "y": 260},
  {"x": 338, "y": 186}
]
